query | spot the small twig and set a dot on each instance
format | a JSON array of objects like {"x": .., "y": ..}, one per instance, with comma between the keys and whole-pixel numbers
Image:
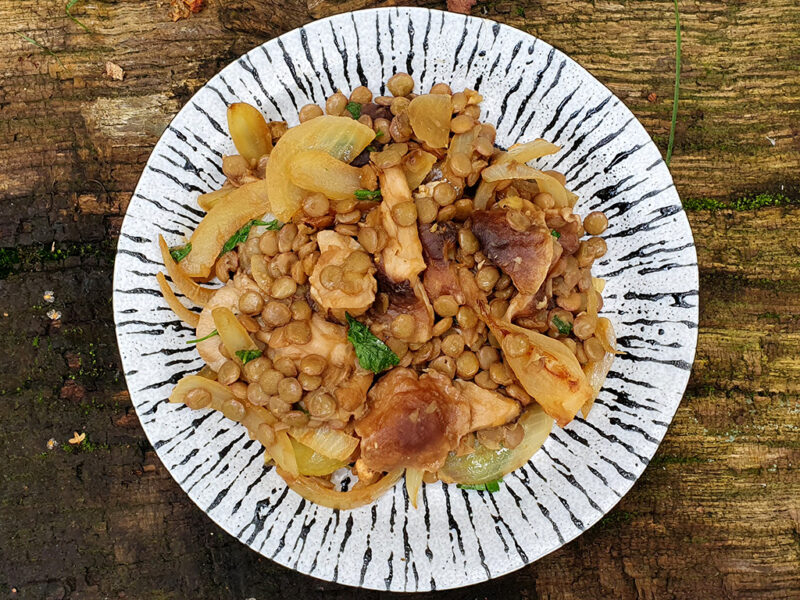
[
  {"x": 677, "y": 82},
  {"x": 70, "y": 4},
  {"x": 30, "y": 40}
]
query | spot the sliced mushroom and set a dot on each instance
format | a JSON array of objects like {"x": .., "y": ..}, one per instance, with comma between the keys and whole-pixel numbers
[
  {"x": 412, "y": 421},
  {"x": 337, "y": 282},
  {"x": 402, "y": 257},
  {"x": 405, "y": 298},
  {"x": 518, "y": 243}
]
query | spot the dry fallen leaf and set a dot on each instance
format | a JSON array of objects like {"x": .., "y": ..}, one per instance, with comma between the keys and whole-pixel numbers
[
  {"x": 77, "y": 438},
  {"x": 182, "y": 9},
  {"x": 652, "y": 97},
  {"x": 460, "y": 6},
  {"x": 114, "y": 71}
]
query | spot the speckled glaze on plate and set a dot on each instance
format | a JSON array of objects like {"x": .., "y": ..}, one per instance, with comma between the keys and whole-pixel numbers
[{"x": 456, "y": 537}]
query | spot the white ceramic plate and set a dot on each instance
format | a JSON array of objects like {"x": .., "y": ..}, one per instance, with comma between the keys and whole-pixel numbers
[{"x": 456, "y": 537}]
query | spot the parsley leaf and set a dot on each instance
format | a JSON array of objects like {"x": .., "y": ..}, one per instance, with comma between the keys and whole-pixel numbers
[
  {"x": 489, "y": 486},
  {"x": 247, "y": 355},
  {"x": 564, "y": 327},
  {"x": 202, "y": 339},
  {"x": 273, "y": 225},
  {"x": 241, "y": 236},
  {"x": 367, "y": 195},
  {"x": 372, "y": 353},
  {"x": 178, "y": 253},
  {"x": 378, "y": 134},
  {"x": 555, "y": 234},
  {"x": 354, "y": 108}
]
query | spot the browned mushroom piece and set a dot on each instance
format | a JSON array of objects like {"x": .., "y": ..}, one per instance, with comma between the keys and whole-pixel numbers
[
  {"x": 523, "y": 248},
  {"x": 404, "y": 298},
  {"x": 412, "y": 421},
  {"x": 438, "y": 248}
]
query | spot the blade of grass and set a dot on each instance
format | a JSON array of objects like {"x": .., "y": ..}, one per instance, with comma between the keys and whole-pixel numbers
[
  {"x": 70, "y": 4},
  {"x": 47, "y": 50},
  {"x": 677, "y": 82}
]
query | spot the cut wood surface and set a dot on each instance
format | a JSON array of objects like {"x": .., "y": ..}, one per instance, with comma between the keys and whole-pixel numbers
[{"x": 715, "y": 515}]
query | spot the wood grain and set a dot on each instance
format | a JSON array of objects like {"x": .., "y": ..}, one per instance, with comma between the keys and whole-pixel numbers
[{"x": 716, "y": 515}]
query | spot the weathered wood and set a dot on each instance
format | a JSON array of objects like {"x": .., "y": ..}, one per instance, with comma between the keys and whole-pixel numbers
[{"x": 716, "y": 514}]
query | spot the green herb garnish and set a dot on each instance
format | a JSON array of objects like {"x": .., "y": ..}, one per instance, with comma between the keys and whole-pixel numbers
[
  {"x": 489, "y": 486},
  {"x": 564, "y": 328},
  {"x": 178, "y": 253},
  {"x": 367, "y": 195},
  {"x": 354, "y": 108},
  {"x": 371, "y": 149},
  {"x": 273, "y": 225},
  {"x": 247, "y": 355},
  {"x": 555, "y": 234},
  {"x": 204, "y": 338},
  {"x": 378, "y": 134},
  {"x": 372, "y": 353},
  {"x": 70, "y": 4},
  {"x": 677, "y": 82},
  {"x": 241, "y": 236}
]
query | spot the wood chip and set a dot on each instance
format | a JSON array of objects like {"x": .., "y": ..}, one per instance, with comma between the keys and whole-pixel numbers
[
  {"x": 114, "y": 71},
  {"x": 460, "y": 6}
]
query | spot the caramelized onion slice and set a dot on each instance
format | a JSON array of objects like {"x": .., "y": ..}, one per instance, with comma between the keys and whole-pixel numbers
[
  {"x": 221, "y": 222},
  {"x": 232, "y": 333},
  {"x": 310, "y": 462},
  {"x": 341, "y": 137},
  {"x": 429, "y": 115},
  {"x": 402, "y": 256},
  {"x": 318, "y": 171},
  {"x": 417, "y": 165},
  {"x": 183, "y": 313},
  {"x": 537, "y": 148},
  {"x": 197, "y": 294},
  {"x": 311, "y": 489},
  {"x": 413, "y": 483},
  {"x": 514, "y": 170},
  {"x": 485, "y": 465},
  {"x": 548, "y": 371},
  {"x": 331, "y": 443}
]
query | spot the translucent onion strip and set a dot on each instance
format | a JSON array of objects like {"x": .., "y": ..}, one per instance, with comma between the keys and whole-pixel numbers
[
  {"x": 328, "y": 442},
  {"x": 232, "y": 333},
  {"x": 183, "y": 313},
  {"x": 318, "y": 171},
  {"x": 186, "y": 286},
  {"x": 484, "y": 464},
  {"x": 413, "y": 483},
  {"x": 513, "y": 170},
  {"x": 311, "y": 489}
]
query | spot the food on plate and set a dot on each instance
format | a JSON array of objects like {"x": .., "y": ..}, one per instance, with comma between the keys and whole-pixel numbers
[{"x": 399, "y": 296}]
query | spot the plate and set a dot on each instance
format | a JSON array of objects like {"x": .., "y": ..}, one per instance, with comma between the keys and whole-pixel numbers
[{"x": 456, "y": 537}]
